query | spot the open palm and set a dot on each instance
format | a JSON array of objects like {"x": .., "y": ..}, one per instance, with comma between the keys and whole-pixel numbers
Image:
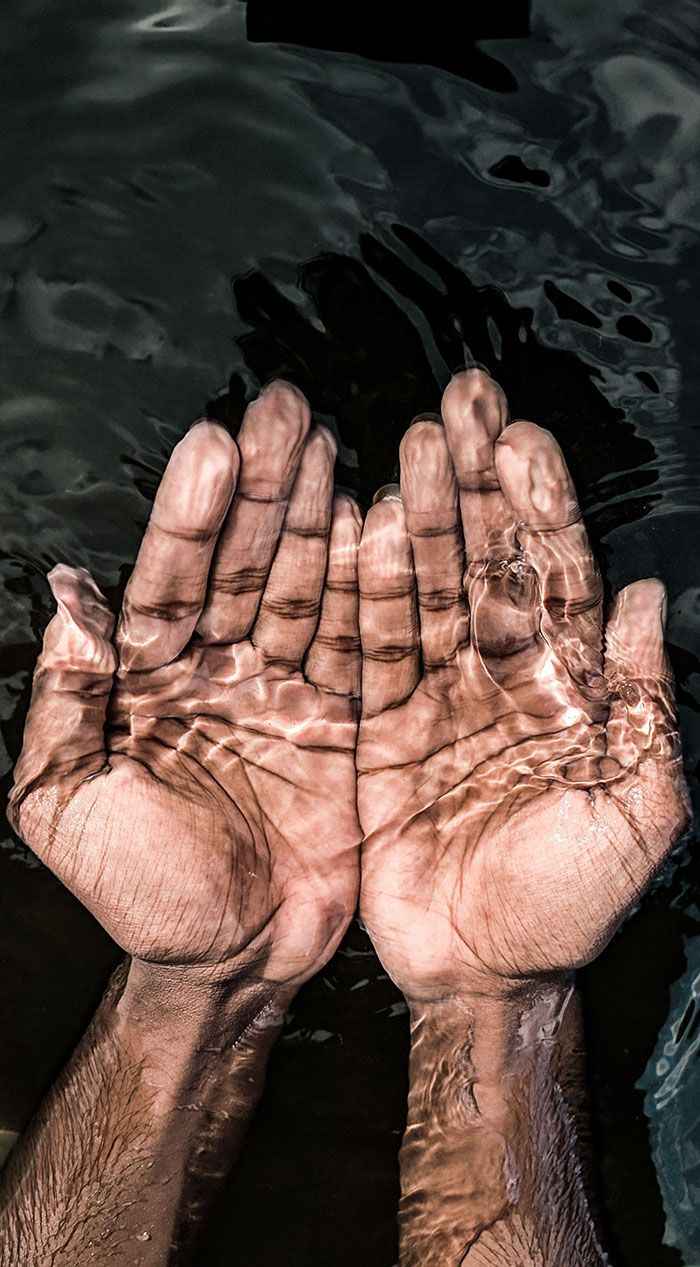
[
  {"x": 193, "y": 781},
  {"x": 518, "y": 784}
]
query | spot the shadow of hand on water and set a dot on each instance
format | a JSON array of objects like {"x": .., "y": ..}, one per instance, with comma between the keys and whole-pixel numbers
[{"x": 359, "y": 352}]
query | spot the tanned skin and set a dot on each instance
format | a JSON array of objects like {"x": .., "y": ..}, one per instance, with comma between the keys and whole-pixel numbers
[
  {"x": 192, "y": 780},
  {"x": 519, "y": 783}
]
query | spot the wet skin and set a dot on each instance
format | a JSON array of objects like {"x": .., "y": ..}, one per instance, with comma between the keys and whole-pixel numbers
[
  {"x": 197, "y": 779},
  {"x": 191, "y": 778},
  {"x": 519, "y": 782},
  {"x": 213, "y": 824}
]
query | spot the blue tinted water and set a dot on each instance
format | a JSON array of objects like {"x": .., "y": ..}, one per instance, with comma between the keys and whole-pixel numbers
[{"x": 380, "y": 223}]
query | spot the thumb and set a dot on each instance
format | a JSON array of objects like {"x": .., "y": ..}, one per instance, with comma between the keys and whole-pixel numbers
[
  {"x": 64, "y": 734},
  {"x": 635, "y": 634},
  {"x": 642, "y": 728}
]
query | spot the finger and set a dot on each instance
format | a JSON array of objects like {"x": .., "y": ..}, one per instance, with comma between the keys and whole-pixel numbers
[
  {"x": 537, "y": 484},
  {"x": 291, "y": 599},
  {"x": 642, "y": 729},
  {"x": 430, "y": 501},
  {"x": 475, "y": 412},
  {"x": 64, "y": 741},
  {"x": 502, "y": 596},
  {"x": 334, "y": 661},
  {"x": 270, "y": 441},
  {"x": 634, "y": 635},
  {"x": 388, "y": 615},
  {"x": 167, "y": 588},
  {"x": 642, "y": 715},
  {"x": 505, "y": 619}
]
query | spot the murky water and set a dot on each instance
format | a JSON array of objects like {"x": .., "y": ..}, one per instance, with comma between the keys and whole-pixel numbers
[{"x": 187, "y": 211}]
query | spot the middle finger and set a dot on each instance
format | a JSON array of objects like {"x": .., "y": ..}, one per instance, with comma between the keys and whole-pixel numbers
[{"x": 475, "y": 412}]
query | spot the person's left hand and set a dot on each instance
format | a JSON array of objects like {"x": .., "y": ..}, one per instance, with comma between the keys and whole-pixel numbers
[{"x": 518, "y": 784}]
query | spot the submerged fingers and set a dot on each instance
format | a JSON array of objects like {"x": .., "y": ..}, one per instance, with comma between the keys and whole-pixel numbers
[
  {"x": 333, "y": 660},
  {"x": 430, "y": 500},
  {"x": 290, "y": 601},
  {"x": 270, "y": 441},
  {"x": 64, "y": 736},
  {"x": 537, "y": 484},
  {"x": 388, "y": 614},
  {"x": 475, "y": 412},
  {"x": 642, "y": 729},
  {"x": 167, "y": 589}
]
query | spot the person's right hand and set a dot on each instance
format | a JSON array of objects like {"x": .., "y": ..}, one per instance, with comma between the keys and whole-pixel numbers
[
  {"x": 193, "y": 783},
  {"x": 517, "y": 788}
]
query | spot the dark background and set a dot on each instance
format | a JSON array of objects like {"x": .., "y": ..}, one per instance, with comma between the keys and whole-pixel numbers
[{"x": 201, "y": 195}]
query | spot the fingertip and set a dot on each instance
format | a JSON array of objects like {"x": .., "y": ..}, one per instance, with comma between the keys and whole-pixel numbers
[
  {"x": 346, "y": 519},
  {"x": 79, "y": 635},
  {"x": 635, "y": 630},
  {"x": 345, "y": 505},
  {"x": 521, "y": 436},
  {"x": 510, "y": 456},
  {"x": 208, "y": 435},
  {"x": 63, "y": 579},
  {"x": 385, "y": 558},
  {"x": 283, "y": 390},
  {"x": 75, "y": 589},
  {"x": 650, "y": 592},
  {"x": 423, "y": 449},
  {"x": 473, "y": 395},
  {"x": 271, "y": 440},
  {"x": 427, "y": 415},
  {"x": 534, "y": 476},
  {"x": 287, "y": 402},
  {"x": 199, "y": 480},
  {"x": 387, "y": 492},
  {"x": 321, "y": 444},
  {"x": 641, "y": 600},
  {"x": 385, "y": 518}
]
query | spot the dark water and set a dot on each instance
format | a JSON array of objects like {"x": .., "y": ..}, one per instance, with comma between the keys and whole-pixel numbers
[{"x": 188, "y": 208}]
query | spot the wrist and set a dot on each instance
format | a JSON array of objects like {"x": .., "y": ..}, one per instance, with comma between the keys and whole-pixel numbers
[
  {"x": 493, "y": 1045},
  {"x": 500, "y": 1019},
  {"x": 178, "y": 1023},
  {"x": 489, "y": 1160}
]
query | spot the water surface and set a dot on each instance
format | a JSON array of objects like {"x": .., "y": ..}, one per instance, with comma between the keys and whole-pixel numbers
[{"x": 187, "y": 211}]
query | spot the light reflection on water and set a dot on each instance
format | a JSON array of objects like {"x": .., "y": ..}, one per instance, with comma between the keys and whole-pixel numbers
[{"x": 151, "y": 154}]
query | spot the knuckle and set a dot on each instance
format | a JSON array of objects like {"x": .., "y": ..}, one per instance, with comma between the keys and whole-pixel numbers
[{"x": 171, "y": 610}]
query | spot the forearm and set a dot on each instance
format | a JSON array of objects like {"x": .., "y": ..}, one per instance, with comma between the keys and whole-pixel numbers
[
  {"x": 128, "y": 1150},
  {"x": 490, "y": 1171}
]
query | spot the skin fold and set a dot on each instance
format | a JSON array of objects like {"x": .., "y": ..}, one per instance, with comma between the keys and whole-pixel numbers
[
  {"x": 196, "y": 777},
  {"x": 191, "y": 779},
  {"x": 519, "y": 782}
]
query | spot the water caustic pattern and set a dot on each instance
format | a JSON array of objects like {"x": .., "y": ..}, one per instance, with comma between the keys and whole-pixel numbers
[
  {"x": 505, "y": 704},
  {"x": 196, "y": 200},
  {"x": 210, "y": 709}
]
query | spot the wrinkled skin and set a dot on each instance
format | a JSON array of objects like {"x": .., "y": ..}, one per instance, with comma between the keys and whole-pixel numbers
[
  {"x": 212, "y": 822},
  {"x": 519, "y": 776}
]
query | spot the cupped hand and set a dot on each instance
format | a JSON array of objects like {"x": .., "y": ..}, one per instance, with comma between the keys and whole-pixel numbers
[
  {"x": 519, "y": 774},
  {"x": 192, "y": 780}
]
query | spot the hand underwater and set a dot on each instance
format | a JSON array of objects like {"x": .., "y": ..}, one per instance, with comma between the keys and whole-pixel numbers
[
  {"x": 193, "y": 781},
  {"x": 519, "y": 781}
]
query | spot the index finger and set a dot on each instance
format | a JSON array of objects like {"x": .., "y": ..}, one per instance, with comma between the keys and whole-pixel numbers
[{"x": 167, "y": 588}]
